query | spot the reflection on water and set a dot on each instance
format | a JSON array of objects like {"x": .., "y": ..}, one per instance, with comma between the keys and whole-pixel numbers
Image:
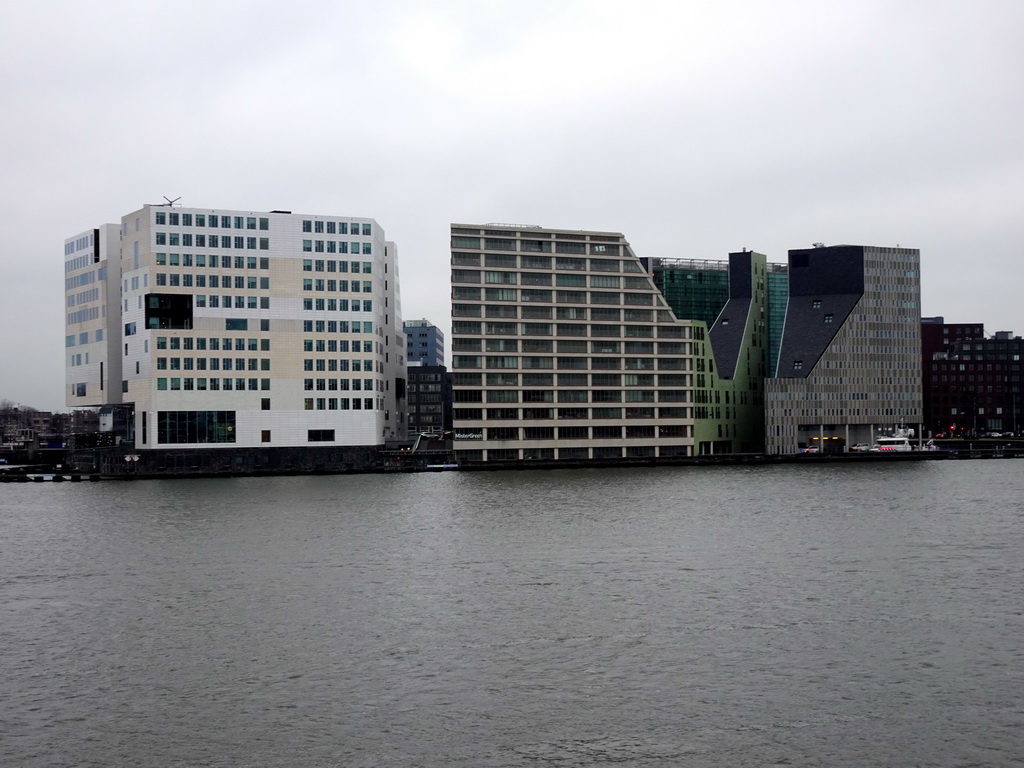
[{"x": 832, "y": 615}]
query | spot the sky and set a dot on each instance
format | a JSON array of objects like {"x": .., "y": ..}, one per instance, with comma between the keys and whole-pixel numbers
[{"x": 694, "y": 128}]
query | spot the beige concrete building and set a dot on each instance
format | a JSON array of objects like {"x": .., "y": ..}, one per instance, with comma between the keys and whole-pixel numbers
[{"x": 564, "y": 349}]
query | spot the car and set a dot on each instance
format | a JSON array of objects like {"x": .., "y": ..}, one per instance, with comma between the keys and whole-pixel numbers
[
  {"x": 810, "y": 449},
  {"x": 860, "y": 447}
]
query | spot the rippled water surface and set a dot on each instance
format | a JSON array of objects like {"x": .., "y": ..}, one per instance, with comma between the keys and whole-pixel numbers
[{"x": 866, "y": 615}]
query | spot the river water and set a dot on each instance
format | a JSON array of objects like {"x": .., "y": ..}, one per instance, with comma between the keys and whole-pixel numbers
[{"x": 868, "y": 615}]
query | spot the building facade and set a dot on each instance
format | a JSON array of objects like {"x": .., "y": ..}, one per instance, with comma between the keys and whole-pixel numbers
[
  {"x": 242, "y": 329},
  {"x": 850, "y": 358},
  {"x": 429, "y": 399},
  {"x": 743, "y": 300},
  {"x": 740, "y": 341},
  {"x": 564, "y": 349},
  {"x": 92, "y": 298},
  {"x": 695, "y": 289},
  {"x": 972, "y": 383},
  {"x": 424, "y": 343}
]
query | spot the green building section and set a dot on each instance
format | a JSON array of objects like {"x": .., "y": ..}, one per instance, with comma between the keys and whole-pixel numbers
[
  {"x": 778, "y": 298},
  {"x": 694, "y": 289},
  {"x": 742, "y": 331}
]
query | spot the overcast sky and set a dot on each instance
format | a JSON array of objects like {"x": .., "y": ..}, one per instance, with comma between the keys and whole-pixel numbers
[{"x": 694, "y": 128}]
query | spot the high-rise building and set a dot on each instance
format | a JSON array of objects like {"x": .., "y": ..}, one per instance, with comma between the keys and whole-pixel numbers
[
  {"x": 92, "y": 299},
  {"x": 972, "y": 383},
  {"x": 429, "y": 400},
  {"x": 564, "y": 348},
  {"x": 740, "y": 341},
  {"x": 237, "y": 329},
  {"x": 850, "y": 359},
  {"x": 424, "y": 343}
]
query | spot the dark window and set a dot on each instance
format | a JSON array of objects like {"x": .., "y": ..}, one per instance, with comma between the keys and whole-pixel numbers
[{"x": 195, "y": 427}]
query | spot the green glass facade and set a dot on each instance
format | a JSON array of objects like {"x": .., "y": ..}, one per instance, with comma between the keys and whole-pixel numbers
[
  {"x": 698, "y": 289},
  {"x": 778, "y": 297},
  {"x": 694, "y": 289}
]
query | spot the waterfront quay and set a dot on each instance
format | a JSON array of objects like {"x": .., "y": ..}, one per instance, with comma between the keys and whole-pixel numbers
[{"x": 404, "y": 462}]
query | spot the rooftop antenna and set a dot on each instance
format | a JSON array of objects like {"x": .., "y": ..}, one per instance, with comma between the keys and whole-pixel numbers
[{"x": 170, "y": 203}]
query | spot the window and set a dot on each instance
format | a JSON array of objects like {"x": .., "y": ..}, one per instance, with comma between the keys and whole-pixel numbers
[
  {"x": 536, "y": 262},
  {"x": 828, "y": 317},
  {"x": 195, "y": 426},
  {"x": 320, "y": 435}
]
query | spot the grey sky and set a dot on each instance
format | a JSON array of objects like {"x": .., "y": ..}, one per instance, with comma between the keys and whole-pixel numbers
[{"x": 694, "y": 128}]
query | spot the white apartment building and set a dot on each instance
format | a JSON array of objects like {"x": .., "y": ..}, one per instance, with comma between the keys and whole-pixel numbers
[
  {"x": 91, "y": 306},
  {"x": 238, "y": 329},
  {"x": 564, "y": 349}
]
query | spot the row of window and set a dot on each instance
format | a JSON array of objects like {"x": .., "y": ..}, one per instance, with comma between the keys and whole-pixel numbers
[
  {"x": 213, "y": 261},
  {"x": 174, "y": 219},
  {"x": 84, "y": 241},
  {"x": 84, "y": 297},
  {"x": 573, "y": 363},
  {"x": 561, "y": 330},
  {"x": 212, "y": 385},
  {"x": 83, "y": 337},
  {"x": 574, "y": 395},
  {"x": 339, "y": 404},
  {"x": 500, "y": 414},
  {"x": 511, "y": 261},
  {"x": 547, "y": 297},
  {"x": 336, "y": 326},
  {"x": 583, "y": 396},
  {"x": 83, "y": 315},
  {"x": 580, "y": 433},
  {"x": 597, "y": 453},
  {"x": 341, "y": 246},
  {"x": 229, "y": 302},
  {"x": 335, "y": 345},
  {"x": 365, "y": 286},
  {"x": 504, "y": 379},
  {"x": 533, "y": 246},
  {"x": 330, "y": 265},
  {"x": 545, "y": 278},
  {"x": 344, "y": 385},
  {"x": 86, "y": 278},
  {"x": 213, "y": 343},
  {"x": 212, "y": 364},
  {"x": 610, "y": 314},
  {"x": 338, "y": 305},
  {"x": 188, "y": 240},
  {"x": 336, "y": 228},
  {"x": 564, "y": 346},
  {"x": 339, "y": 364},
  {"x": 188, "y": 280}
]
